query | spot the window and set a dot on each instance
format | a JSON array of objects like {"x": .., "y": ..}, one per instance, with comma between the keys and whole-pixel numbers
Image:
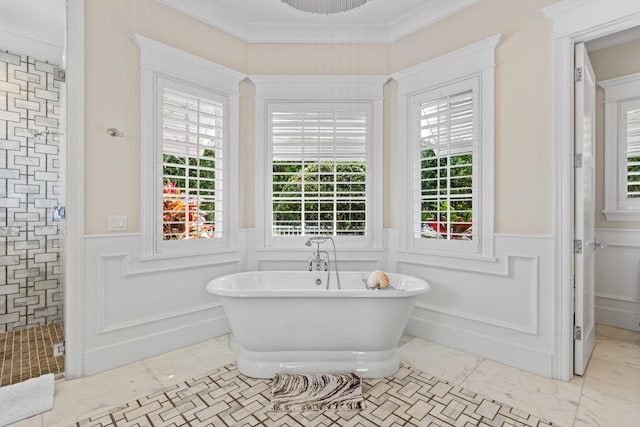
[
  {"x": 446, "y": 154},
  {"x": 192, "y": 162},
  {"x": 444, "y": 171},
  {"x": 321, "y": 146},
  {"x": 622, "y": 148},
  {"x": 190, "y": 117},
  {"x": 319, "y": 169},
  {"x": 631, "y": 117}
]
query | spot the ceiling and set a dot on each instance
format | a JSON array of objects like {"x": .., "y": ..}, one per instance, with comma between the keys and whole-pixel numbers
[
  {"x": 33, "y": 27},
  {"x": 37, "y": 27},
  {"x": 271, "y": 21}
]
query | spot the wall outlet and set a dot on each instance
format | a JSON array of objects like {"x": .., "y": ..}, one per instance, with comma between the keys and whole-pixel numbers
[{"x": 117, "y": 222}]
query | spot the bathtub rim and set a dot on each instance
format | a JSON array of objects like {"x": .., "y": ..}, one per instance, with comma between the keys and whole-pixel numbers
[{"x": 319, "y": 292}]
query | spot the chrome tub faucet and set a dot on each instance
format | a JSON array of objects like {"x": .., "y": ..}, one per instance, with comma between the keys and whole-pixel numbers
[{"x": 320, "y": 259}]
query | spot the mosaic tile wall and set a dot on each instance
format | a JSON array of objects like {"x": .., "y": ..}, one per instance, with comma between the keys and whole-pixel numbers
[{"x": 31, "y": 106}]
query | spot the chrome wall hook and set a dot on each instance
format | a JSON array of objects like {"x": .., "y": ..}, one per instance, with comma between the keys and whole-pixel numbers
[{"x": 115, "y": 132}]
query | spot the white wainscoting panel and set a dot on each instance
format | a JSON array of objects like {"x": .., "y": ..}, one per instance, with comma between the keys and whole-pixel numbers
[
  {"x": 618, "y": 278},
  {"x": 139, "y": 308},
  {"x": 501, "y": 309}
]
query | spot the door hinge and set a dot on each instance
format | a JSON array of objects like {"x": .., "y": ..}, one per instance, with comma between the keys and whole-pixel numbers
[
  {"x": 577, "y": 246},
  {"x": 577, "y": 333},
  {"x": 579, "y": 74},
  {"x": 577, "y": 160}
]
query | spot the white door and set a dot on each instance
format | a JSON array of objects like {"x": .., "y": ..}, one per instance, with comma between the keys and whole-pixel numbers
[{"x": 585, "y": 104}]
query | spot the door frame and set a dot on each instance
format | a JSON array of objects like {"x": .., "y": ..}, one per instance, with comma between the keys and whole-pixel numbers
[
  {"x": 574, "y": 21},
  {"x": 74, "y": 259}
]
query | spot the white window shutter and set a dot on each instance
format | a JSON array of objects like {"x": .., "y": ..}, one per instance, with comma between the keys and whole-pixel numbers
[
  {"x": 319, "y": 171},
  {"x": 633, "y": 153},
  {"x": 192, "y": 163},
  {"x": 445, "y": 186}
]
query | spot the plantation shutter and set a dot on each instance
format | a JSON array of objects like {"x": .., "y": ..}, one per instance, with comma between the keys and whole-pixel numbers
[
  {"x": 633, "y": 153},
  {"x": 445, "y": 184},
  {"x": 319, "y": 171},
  {"x": 192, "y": 162}
]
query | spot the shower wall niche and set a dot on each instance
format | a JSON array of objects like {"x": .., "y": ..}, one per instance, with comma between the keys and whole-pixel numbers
[{"x": 31, "y": 192}]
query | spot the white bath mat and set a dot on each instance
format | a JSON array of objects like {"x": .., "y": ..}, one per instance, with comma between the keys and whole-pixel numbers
[
  {"x": 297, "y": 392},
  {"x": 25, "y": 399}
]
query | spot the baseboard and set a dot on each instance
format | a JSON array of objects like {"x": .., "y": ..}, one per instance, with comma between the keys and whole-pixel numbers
[
  {"x": 621, "y": 314},
  {"x": 119, "y": 354},
  {"x": 508, "y": 353}
]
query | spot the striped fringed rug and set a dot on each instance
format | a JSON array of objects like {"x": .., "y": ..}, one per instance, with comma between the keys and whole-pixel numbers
[{"x": 298, "y": 392}]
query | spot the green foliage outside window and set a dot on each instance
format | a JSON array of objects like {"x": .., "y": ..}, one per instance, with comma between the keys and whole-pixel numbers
[
  {"x": 319, "y": 198},
  {"x": 633, "y": 177},
  {"x": 189, "y": 189},
  {"x": 446, "y": 195}
]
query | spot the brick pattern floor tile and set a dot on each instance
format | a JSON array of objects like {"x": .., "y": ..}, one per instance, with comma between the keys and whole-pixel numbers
[{"x": 228, "y": 398}]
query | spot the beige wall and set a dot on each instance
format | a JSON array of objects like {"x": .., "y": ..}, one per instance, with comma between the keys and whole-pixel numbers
[
  {"x": 523, "y": 99},
  {"x": 607, "y": 64},
  {"x": 300, "y": 59},
  {"x": 112, "y": 95}
]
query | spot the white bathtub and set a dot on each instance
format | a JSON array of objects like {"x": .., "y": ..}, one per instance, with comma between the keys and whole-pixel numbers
[{"x": 285, "y": 322}]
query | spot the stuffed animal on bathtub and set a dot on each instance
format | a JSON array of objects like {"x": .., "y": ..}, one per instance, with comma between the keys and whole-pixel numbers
[{"x": 378, "y": 279}]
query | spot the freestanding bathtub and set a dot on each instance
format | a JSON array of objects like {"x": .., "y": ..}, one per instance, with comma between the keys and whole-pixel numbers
[{"x": 286, "y": 321}]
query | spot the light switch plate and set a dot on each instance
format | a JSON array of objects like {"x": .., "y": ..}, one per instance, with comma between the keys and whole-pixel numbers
[{"x": 117, "y": 222}]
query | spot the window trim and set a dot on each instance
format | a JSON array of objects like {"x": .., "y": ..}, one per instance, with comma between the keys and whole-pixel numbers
[
  {"x": 159, "y": 60},
  {"x": 476, "y": 61},
  {"x": 273, "y": 90},
  {"x": 617, "y": 92}
]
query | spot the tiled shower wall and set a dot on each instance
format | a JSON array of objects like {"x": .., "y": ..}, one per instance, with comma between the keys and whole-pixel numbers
[{"x": 31, "y": 119}]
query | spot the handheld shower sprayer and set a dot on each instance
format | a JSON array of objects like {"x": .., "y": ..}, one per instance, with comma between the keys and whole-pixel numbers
[{"x": 316, "y": 240}]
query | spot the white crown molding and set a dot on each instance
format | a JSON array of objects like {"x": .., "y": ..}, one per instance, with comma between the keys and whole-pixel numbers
[
  {"x": 424, "y": 17},
  {"x": 286, "y": 32},
  {"x": 571, "y": 17}
]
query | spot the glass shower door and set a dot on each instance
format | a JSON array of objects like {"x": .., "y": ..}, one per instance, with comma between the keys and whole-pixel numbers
[{"x": 31, "y": 217}]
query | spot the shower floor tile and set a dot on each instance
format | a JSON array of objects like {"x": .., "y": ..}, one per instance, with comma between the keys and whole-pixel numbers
[{"x": 28, "y": 353}]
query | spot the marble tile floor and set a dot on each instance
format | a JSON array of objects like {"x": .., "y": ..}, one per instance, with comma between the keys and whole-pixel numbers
[{"x": 607, "y": 395}]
